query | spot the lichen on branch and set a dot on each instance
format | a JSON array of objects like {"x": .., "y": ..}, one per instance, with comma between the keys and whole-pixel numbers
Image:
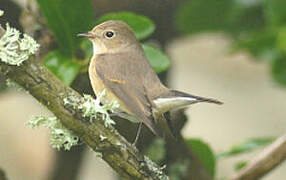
[
  {"x": 59, "y": 135},
  {"x": 12, "y": 84},
  {"x": 92, "y": 108},
  {"x": 14, "y": 50}
]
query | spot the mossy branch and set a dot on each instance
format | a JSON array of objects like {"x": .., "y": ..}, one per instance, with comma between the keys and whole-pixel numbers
[{"x": 51, "y": 92}]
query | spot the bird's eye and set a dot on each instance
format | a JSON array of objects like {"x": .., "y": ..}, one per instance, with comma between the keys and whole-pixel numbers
[{"x": 109, "y": 34}]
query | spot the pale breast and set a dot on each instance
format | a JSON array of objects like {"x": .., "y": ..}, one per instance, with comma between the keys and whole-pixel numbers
[{"x": 98, "y": 87}]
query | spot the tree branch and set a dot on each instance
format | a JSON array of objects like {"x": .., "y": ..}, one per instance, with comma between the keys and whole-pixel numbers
[{"x": 268, "y": 159}]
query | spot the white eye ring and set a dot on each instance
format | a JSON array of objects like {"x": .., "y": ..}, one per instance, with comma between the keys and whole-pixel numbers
[{"x": 109, "y": 34}]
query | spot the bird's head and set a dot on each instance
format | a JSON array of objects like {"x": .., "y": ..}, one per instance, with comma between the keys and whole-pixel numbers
[{"x": 111, "y": 36}]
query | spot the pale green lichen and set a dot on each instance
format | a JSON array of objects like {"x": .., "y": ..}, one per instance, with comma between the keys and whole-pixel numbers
[
  {"x": 12, "y": 84},
  {"x": 1, "y": 13},
  {"x": 72, "y": 100},
  {"x": 14, "y": 50},
  {"x": 92, "y": 108},
  {"x": 98, "y": 154},
  {"x": 59, "y": 135},
  {"x": 102, "y": 138},
  {"x": 95, "y": 152},
  {"x": 153, "y": 167}
]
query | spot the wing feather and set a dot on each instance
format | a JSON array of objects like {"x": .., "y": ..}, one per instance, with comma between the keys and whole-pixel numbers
[{"x": 122, "y": 74}]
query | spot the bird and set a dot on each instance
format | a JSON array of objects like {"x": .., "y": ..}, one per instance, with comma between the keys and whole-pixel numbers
[{"x": 120, "y": 67}]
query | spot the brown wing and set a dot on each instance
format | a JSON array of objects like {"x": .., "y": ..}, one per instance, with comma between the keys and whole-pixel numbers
[{"x": 124, "y": 74}]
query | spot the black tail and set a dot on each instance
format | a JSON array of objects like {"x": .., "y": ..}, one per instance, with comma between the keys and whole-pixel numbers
[
  {"x": 175, "y": 100},
  {"x": 176, "y": 93}
]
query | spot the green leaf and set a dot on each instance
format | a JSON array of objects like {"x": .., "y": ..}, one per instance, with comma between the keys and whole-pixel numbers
[
  {"x": 275, "y": 12},
  {"x": 142, "y": 26},
  {"x": 238, "y": 166},
  {"x": 67, "y": 18},
  {"x": 204, "y": 153},
  {"x": 279, "y": 70},
  {"x": 260, "y": 44},
  {"x": 63, "y": 67},
  {"x": 159, "y": 61},
  {"x": 247, "y": 146},
  {"x": 197, "y": 15},
  {"x": 281, "y": 39},
  {"x": 245, "y": 17}
]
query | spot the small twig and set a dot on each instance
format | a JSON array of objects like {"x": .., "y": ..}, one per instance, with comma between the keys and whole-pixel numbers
[{"x": 268, "y": 159}]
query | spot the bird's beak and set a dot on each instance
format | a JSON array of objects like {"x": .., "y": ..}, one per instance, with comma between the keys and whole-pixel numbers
[{"x": 86, "y": 35}]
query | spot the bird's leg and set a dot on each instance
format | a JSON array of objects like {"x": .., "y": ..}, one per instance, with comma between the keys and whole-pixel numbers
[
  {"x": 167, "y": 116},
  {"x": 137, "y": 134}
]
